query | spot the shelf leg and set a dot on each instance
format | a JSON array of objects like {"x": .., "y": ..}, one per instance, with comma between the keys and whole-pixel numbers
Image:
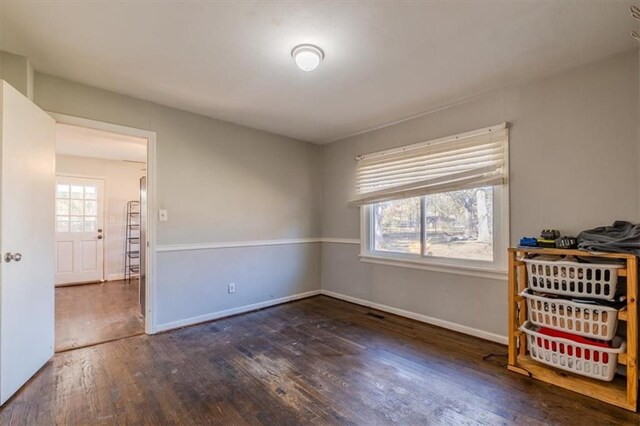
[
  {"x": 632, "y": 331},
  {"x": 513, "y": 309},
  {"x": 521, "y": 273}
]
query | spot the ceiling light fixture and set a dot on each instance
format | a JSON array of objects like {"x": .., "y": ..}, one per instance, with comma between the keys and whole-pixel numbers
[{"x": 307, "y": 56}]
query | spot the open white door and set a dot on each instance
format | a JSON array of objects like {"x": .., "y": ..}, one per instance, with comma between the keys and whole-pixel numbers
[{"x": 27, "y": 178}]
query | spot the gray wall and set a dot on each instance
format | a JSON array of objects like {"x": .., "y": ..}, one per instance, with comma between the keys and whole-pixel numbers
[
  {"x": 18, "y": 72},
  {"x": 191, "y": 280},
  {"x": 220, "y": 182},
  {"x": 574, "y": 165}
]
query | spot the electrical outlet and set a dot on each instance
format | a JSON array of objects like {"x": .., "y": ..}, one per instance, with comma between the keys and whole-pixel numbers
[{"x": 232, "y": 287}]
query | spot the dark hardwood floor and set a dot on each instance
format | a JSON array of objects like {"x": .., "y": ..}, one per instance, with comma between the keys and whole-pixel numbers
[
  {"x": 95, "y": 313},
  {"x": 315, "y": 361}
]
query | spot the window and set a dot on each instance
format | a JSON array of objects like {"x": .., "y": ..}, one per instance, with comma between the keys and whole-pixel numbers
[
  {"x": 456, "y": 225},
  {"x": 439, "y": 204},
  {"x": 76, "y": 207}
]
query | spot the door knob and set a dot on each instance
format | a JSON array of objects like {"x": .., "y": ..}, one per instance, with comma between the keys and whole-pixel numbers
[
  {"x": 99, "y": 237},
  {"x": 8, "y": 257},
  {"x": 100, "y": 230}
]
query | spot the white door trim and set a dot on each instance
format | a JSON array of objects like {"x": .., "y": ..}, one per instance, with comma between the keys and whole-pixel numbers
[
  {"x": 105, "y": 208},
  {"x": 150, "y": 291}
]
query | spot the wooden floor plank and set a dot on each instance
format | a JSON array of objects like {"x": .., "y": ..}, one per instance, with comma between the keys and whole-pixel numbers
[{"x": 314, "y": 361}]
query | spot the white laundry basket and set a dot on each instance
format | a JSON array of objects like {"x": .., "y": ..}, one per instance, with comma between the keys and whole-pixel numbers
[
  {"x": 587, "y": 360},
  {"x": 588, "y": 320},
  {"x": 572, "y": 278}
]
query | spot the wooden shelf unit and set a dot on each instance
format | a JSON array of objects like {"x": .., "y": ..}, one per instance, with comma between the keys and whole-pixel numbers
[{"x": 620, "y": 392}]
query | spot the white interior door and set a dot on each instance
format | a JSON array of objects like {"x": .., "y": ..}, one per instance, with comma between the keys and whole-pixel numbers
[
  {"x": 79, "y": 230},
  {"x": 27, "y": 175}
]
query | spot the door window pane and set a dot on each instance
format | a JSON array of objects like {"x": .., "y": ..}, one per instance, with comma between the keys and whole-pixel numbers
[
  {"x": 62, "y": 207},
  {"x": 397, "y": 226},
  {"x": 90, "y": 224},
  {"x": 91, "y": 208},
  {"x": 459, "y": 224},
  {"x": 62, "y": 224},
  {"x": 90, "y": 192},
  {"x": 62, "y": 190},
  {"x": 76, "y": 224},
  {"x": 77, "y": 207},
  {"x": 77, "y": 192}
]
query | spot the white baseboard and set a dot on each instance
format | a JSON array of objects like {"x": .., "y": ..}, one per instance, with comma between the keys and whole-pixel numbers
[
  {"x": 400, "y": 312},
  {"x": 422, "y": 318},
  {"x": 233, "y": 311},
  {"x": 115, "y": 277}
]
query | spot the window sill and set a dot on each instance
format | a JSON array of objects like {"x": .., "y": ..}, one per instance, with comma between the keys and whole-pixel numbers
[{"x": 436, "y": 267}]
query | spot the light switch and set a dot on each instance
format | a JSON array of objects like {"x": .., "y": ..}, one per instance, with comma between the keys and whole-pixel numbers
[{"x": 163, "y": 215}]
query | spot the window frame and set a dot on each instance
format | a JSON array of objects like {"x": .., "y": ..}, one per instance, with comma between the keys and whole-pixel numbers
[{"x": 497, "y": 269}]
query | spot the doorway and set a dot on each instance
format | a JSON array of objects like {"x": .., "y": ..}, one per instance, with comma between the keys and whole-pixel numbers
[{"x": 99, "y": 171}]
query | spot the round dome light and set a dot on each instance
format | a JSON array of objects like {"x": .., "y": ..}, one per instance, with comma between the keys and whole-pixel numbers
[{"x": 307, "y": 56}]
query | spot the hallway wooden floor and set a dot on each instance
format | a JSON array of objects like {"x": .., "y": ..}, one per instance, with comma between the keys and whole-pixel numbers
[
  {"x": 315, "y": 361},
  {"x": 95, "y": 313}
]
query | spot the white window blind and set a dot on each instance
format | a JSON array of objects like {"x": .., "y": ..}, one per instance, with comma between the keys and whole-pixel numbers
[{"x": 468, "y": 160}]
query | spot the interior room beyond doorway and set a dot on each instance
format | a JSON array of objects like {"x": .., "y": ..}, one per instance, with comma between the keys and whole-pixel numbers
[{"x": 99, "y": 178}]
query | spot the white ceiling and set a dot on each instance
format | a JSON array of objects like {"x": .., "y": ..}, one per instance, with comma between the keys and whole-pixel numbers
[
  {"x": 84, "y": 142},
  {"x": 385, "y": 61}
]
